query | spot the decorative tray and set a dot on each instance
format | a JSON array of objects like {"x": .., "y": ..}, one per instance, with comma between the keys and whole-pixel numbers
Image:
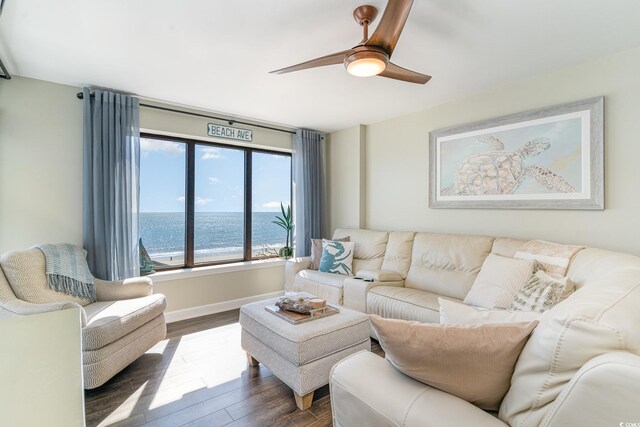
[{"x": 296, "y": 318}]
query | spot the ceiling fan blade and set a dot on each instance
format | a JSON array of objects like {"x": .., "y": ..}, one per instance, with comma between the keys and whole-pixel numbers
[
  {"x": 390, "y": 27},
  {"x": 334, "y": 58},
  {"x": 393, "y": 71}
]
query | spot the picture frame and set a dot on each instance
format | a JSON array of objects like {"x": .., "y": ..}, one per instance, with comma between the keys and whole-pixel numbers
[{"x": 548, "y": 158}]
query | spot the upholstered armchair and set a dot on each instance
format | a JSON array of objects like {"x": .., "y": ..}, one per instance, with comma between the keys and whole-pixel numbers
[{"x": 126, "y": 320}]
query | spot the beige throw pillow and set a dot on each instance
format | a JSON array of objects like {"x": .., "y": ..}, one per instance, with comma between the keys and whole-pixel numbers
[
  {"x": 316, "y": 251},
  {"x": 457, "y": 313},
  {"x": 553, "y": 258},
  {"x": 473, "y": 362},
  {"x": 499, "y": 280}
]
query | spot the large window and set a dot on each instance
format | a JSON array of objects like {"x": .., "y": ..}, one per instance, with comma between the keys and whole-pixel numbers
[{"x": 206, "y": 203}]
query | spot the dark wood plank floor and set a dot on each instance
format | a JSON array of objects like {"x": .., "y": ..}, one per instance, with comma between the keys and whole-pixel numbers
[{"x": 199, "y": 376}]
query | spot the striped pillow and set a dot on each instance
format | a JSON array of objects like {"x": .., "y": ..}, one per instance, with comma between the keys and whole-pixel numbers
[
  {"x": 553, "y": 258},
  {"x": 540, "y": 293},
  {"x": 499, "y": 280}
]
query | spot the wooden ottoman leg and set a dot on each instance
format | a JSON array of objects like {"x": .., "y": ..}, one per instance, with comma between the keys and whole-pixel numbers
[
  {"x": 252, "y": 361},
  {"x": 303, "y": 402}
]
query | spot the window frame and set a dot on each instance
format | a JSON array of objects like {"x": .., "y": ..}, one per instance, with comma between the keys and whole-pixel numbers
[{"x": 189, "y": 208}]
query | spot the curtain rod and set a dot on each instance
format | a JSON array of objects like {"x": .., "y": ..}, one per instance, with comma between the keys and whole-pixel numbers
[{"x": 80, "y": 95}]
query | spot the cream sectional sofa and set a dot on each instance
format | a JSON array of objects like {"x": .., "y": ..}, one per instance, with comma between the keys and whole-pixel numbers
[
  {"x": 406, "y": 272},
  {"x": 580, "y": 367}
]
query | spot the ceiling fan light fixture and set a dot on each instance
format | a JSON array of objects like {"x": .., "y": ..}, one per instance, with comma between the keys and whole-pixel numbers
[{"x": 366, "y": 64}]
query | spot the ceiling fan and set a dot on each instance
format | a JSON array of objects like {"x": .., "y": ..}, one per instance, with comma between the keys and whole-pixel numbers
[{"x": 372, "y": 55}]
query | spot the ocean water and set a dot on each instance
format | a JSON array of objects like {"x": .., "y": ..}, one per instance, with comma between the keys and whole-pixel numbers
[{"x": 216, "y": 234}]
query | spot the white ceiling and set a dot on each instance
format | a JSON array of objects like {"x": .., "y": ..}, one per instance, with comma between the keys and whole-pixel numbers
[{"x": 216, "y": 54}]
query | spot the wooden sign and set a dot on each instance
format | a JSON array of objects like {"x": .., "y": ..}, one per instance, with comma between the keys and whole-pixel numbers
[{"x": 230, "y": 133}]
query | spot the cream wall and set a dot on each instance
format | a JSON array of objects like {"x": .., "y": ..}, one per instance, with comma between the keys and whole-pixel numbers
[
  {"x": 41, "y": 182},
  {"x": 346, "y": 180},
  {"x": 199, "y": 291},
  {"x": 397, "y": 160},
  {"x": 40, "y": 163},
  {"x": 170, "y": 123}
]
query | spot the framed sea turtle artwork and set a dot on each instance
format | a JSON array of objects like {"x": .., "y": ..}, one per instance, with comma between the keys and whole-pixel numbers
[{"x": 549, "y": 158}]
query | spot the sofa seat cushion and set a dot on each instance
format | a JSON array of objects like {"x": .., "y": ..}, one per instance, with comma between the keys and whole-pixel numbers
[
  {"x": 394, "y": 302},
  {"x": 108, "y": 321},
  {"x": 322, "y": 285}
]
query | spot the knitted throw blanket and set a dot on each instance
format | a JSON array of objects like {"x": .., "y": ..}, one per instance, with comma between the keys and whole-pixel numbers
[{"x": 67, "y": 270}]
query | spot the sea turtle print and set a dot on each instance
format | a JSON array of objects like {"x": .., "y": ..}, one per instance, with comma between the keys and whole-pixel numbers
[{"x": 501, "y": 172}]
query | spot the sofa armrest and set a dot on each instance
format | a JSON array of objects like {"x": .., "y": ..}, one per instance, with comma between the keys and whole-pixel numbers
[
  {"x": 354, "y": 292},
  {"x": 135, "y": 287},
  {"x": 16, "y": 307},
  {"x": 366, "y": 390},
  {"x": 380, "y": 275},
  {"x": 603, "y": 392},
  {"x": 293, "y": 267}
]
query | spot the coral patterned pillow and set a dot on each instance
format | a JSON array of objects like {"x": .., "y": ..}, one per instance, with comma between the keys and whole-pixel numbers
[{"x": 337, "y": 257}]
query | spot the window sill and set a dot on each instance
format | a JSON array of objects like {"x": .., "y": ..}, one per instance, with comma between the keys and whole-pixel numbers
[{"x": 187, "y": 273}]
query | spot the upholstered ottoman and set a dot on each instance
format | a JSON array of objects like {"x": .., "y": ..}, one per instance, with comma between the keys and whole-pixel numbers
[{"x": 302, "y": 355}]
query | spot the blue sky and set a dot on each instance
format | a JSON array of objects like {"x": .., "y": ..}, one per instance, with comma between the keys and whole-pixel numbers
[{"x": 219, "y": 178}]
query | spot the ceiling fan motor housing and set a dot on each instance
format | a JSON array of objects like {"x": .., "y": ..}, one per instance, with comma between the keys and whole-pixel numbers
[{"x": 366, "y": 62}]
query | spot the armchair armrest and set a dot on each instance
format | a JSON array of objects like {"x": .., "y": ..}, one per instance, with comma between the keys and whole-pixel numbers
[
  {"x": 380, "y": 275},
  {"x": 293, "y": 267},
  {"x": 354, "y": 291},
  {"x": 135, "y": 287},
  {"x": 603, "y": 392},
  {"x": 16, "y": 307}
]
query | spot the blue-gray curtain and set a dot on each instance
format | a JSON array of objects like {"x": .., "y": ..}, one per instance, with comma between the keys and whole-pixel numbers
[
  {"x": 309, "y": 189},
  {"x": 111, "y": 184}
]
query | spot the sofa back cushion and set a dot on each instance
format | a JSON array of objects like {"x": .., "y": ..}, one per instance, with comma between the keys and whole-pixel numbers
[
  {"x": 25, "y": 271},
  {"x": 398, "y": 254},
  {"x": 505, "y": 246},
  {"x": 600, "y": 317},
  {"x": 446, "y": 264},
  {"x": 370, "y": 247}
]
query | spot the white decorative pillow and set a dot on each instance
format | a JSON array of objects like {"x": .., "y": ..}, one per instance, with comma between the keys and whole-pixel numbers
[
  {"x": 337, "y": 257},
  {"x": 540, "y": 293},
  {"x": 457, "y": 313},
  {"x": 499, "y": 280},
  {"x": 553, "y": 258}
]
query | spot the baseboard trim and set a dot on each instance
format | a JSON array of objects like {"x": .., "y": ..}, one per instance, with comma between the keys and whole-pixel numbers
[{"x": 218, "y": 307}]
